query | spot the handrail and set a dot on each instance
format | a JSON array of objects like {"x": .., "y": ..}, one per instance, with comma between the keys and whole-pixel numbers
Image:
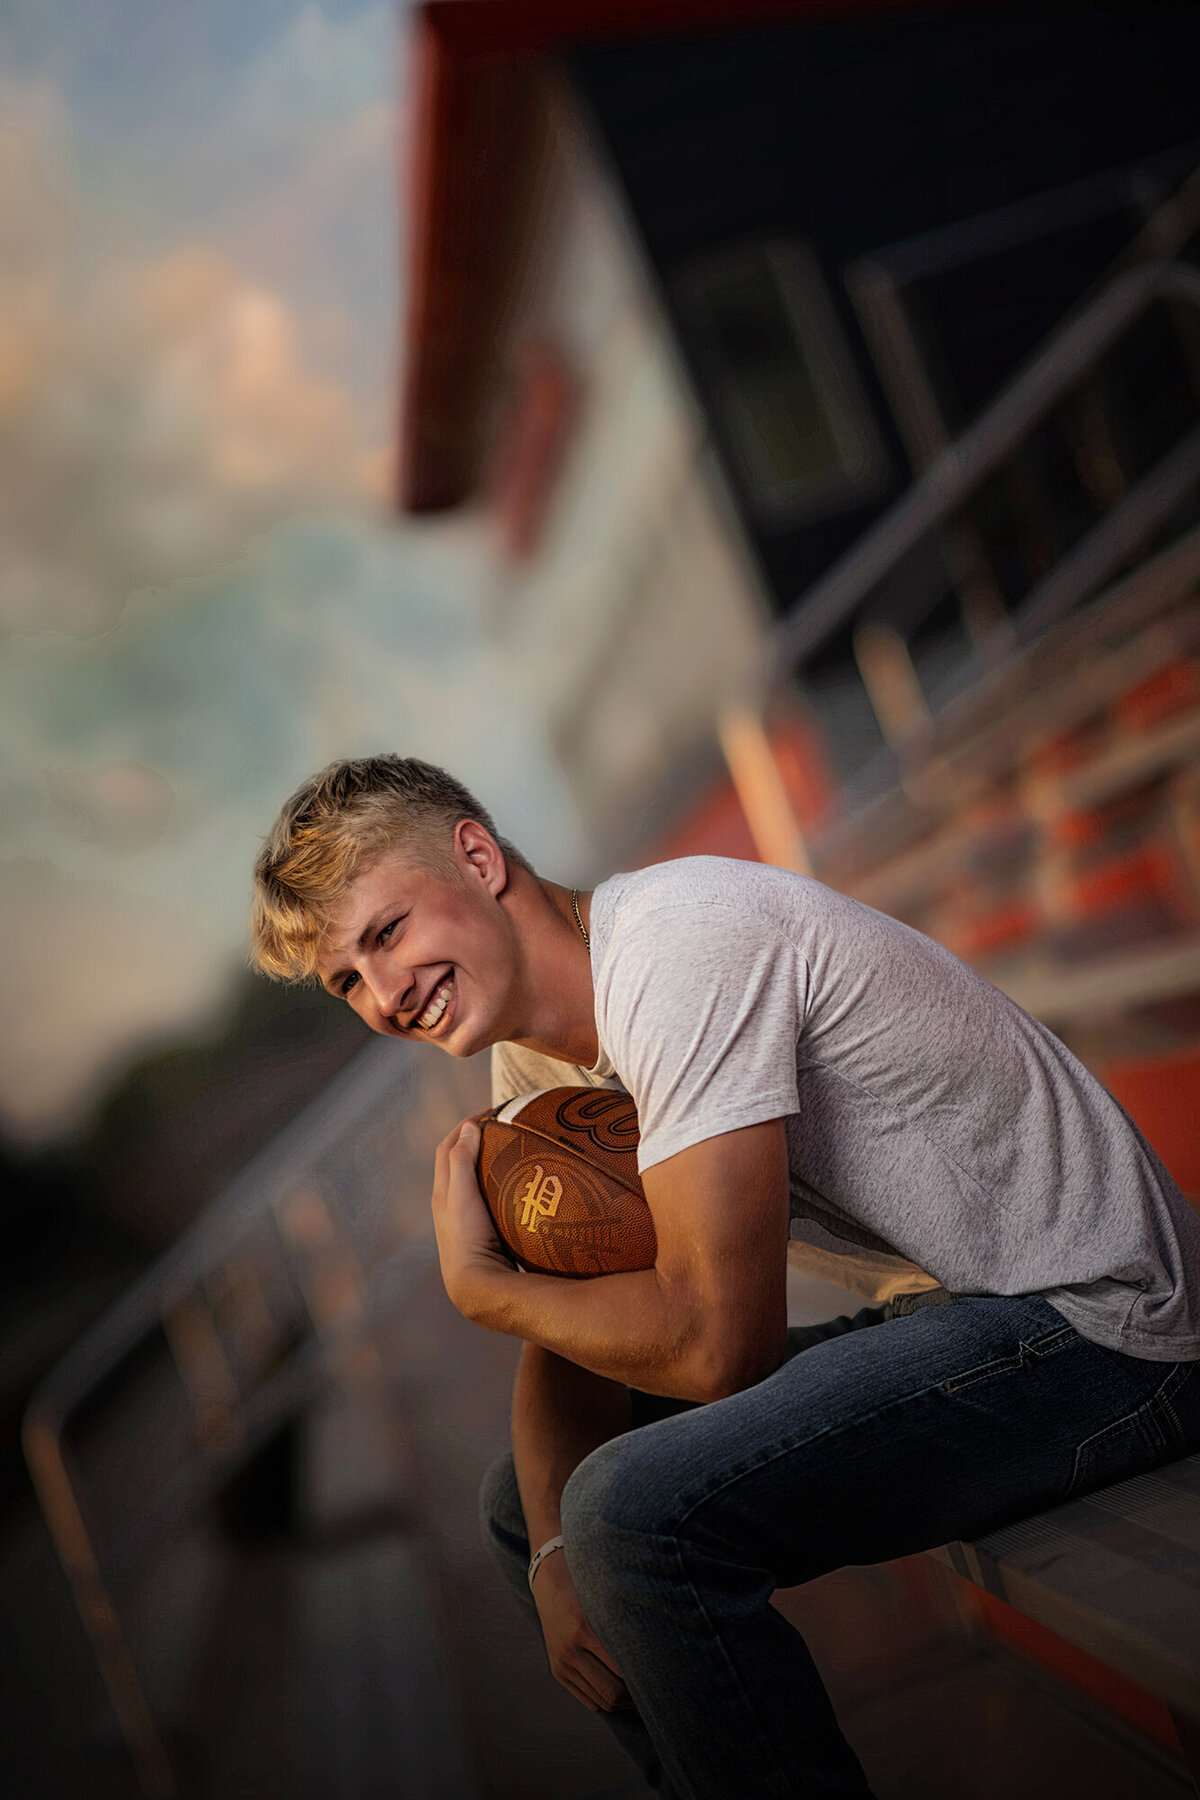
[
  {"x": 250, "y": 1195},
  {"x": 959, "y": 469},
  {"x": 170, "y": 1297}
]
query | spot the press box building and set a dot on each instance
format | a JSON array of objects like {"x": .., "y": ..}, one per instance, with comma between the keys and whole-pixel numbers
[{"x": 859, "y": 345}]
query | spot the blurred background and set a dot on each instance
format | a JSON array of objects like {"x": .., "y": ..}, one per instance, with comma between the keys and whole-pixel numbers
[{"x": 751, "y": 428}]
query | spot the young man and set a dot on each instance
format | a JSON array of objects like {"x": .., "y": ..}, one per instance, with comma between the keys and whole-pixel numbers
[{"x": 807, "y": 1069}]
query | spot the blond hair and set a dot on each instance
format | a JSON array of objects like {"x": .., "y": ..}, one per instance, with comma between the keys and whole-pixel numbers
[{"x": 330, "y": 830}]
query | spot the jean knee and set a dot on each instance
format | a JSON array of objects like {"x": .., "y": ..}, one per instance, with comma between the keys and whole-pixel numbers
[{"x": 609, "y": 1520}]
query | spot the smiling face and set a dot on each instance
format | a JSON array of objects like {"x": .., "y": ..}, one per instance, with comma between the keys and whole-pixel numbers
[{"x": 424, "y": 953}]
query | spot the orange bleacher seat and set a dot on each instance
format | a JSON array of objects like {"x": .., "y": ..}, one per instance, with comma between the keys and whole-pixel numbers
[
  {"x": 1173, "y": 690},
  {"x": 1162, "y": 1095}
]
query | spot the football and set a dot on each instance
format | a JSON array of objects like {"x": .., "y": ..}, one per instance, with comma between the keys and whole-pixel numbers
[{"x": 558, "y": 1169}]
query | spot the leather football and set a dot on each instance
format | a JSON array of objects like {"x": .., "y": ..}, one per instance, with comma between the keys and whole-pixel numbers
[{"x": 558, "y": 1169}]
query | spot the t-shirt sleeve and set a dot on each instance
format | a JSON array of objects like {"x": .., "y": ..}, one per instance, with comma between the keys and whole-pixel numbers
[{"x": 701, "y": 1008}]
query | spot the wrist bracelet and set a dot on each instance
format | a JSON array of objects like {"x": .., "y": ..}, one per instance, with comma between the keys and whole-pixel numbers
[{"x": 539, "y": 1557}]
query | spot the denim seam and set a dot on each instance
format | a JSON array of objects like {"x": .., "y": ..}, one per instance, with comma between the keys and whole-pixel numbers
[
  {"x": 860, "y": 1419},
  {"x": 673, "y": 1543},
  {"x": 1163, "y": 1401},
  {"x": 790, "y": 1446},
  {"x": 766, "y": 1749},
  {"x": 1148, "y": 1415},
  {"x": 1050, "y": 1345},
  {"x": 1086, "y": 1451}
]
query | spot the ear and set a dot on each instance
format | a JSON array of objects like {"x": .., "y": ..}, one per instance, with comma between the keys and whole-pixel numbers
[{"x": 479, "y": 856}]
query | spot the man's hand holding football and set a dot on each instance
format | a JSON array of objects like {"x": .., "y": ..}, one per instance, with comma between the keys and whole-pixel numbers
[{"x": 471, "y": 1254}]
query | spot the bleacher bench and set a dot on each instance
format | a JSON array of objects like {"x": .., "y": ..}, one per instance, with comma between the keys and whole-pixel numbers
[{"x": 1117, "y": 1575}]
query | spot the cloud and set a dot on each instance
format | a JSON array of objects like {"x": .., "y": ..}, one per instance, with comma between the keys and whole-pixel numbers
[
  {"x": 195, "y": 339},
  {"x": 320, "y": 115},
  {"x": 269, "y": 130},
  {"x": 151, "y": 421},
  {"x": 120, "y": 804},
  {"x": 142, "y": 771},
  {"x": 204, "y": 597}
]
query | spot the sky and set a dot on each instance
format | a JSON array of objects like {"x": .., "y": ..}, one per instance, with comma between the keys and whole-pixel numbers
[{"x": 204, "y": 593}]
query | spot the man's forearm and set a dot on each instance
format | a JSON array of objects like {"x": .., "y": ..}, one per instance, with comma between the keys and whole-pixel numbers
[
  {"x": 708, "y": 1320},
  {"x": 635, "y": 1329},
  {"x": 560, "y": 1414}
]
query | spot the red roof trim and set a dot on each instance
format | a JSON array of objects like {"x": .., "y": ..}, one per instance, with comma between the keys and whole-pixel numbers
[
  {"x": 527, "y": 27},
  {"x": 472, "y": 122}
]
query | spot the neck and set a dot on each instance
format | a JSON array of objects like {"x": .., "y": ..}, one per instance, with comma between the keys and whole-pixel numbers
[{"x": 558, "y": 1018}]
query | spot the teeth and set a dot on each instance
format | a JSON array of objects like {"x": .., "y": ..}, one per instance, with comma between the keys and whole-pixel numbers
[{"x": 437, "y": 1006}]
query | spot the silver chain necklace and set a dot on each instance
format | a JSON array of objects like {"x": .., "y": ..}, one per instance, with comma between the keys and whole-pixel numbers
[{"x": 587, "y": 942}]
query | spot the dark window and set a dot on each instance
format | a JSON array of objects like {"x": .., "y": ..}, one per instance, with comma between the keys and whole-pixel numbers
[{"x": 783, "y": 379}]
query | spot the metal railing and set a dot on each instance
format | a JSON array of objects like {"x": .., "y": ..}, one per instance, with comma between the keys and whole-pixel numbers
[
  {"x": 927, "y": 512},
  {"x": 271, "y": 1293},
  {"x": 959, "y": 471}
]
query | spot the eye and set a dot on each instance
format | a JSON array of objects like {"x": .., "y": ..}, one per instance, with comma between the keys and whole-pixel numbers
[
  {"x": 385, "y": 933},
  {"x": 347, "y": 984}
]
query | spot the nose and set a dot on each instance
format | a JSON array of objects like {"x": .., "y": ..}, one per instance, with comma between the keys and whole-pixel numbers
[{"x": 388, "y": 987}]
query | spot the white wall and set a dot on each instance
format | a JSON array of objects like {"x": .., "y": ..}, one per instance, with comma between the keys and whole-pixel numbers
[{"x": 639, "y": 612}]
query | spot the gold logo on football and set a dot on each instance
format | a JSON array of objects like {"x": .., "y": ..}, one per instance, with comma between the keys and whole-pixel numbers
[{"x": 539, "y": 1200}]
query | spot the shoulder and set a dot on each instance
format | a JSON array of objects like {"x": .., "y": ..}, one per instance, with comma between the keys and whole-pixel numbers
[
  {"x": 741, "y": 910},
  {"x": 690, "y": 939},
  {"x": 707, "y": 896}
]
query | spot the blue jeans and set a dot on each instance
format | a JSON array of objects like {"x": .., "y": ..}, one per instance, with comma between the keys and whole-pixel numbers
[{"x": 872, "y": 1444}]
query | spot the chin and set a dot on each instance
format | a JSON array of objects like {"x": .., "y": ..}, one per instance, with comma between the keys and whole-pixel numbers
[{"x": 462, "y": 1043}]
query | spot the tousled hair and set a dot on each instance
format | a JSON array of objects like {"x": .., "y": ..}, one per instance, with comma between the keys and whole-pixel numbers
[{"x": 332, "y": 828}]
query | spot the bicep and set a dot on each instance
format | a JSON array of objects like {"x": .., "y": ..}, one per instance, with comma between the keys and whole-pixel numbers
[
  {"x": 721, "y": 1217},
  {"x": 701, "y": 1011}
]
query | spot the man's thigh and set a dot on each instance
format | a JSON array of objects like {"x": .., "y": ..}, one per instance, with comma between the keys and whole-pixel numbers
[{"x": 945, "y": 1424}]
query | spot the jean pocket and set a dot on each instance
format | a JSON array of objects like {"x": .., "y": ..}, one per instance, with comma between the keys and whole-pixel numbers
[
  {"x": 1148, "y": 1435},
  {"x": 1021, "y": 1358}
]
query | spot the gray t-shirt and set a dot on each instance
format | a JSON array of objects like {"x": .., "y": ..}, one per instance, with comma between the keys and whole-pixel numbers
[{"x": 936, "y": 1133}]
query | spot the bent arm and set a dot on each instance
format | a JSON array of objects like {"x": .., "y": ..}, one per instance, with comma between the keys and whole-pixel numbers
[
  {"x": 708, "y": 1320},
  {"x": 560, "y": 1414}
]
